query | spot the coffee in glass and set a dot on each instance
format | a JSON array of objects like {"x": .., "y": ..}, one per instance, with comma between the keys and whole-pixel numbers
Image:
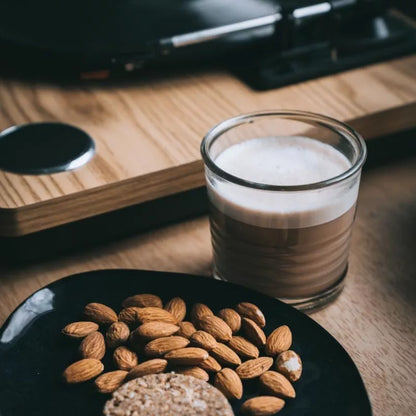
[{"x": 282, "y": 188}]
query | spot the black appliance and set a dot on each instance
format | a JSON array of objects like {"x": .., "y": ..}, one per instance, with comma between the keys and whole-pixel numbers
[{"x": 266, "y": 42}]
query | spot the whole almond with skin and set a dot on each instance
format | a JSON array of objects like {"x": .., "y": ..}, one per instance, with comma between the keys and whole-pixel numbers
[
  {"x": 278, "y": 341},
  {"x": 155, "y": 366},
  {"x": 187, "y": 356},
  {"x": 262, "y": 406},
  {"x": 253, "y": 332},
  {"x": 83, "y": 370},
  {"x": 109, "y": 382},
  {"x": 231, "y": 318},
  {"x": 198, "y": 311},
  {"x": 129, "y": 315},
  {"x": 117, "y": 334},
  {"x": 143, "y": 300},
  {"x": 216, "y": 327},
  {"x": 80, "y": 329},
  {"x": 196, "y": 372},
  {"x": 203, "y": 340},
  {"x": 93, "y": 346},
  {"x": 225, "y": 355},
  {"x": 210, "y": 364},
  {"x": 186, "y": 329},
  {"x": 177, "y": 307},
  {"x": 243, "y": 348},
  {"x": 99, "y": 313},
  {"x": 228, "y": 382},
  {"x": 251, "y": 311},
  {"x": 289, "y": 364},
  {"x": 160, "y": 346},
  {"x": 277, "y": 384},
  {"x": 124, "y": 358},
  {"x": 150, "y": 314},
  {"x": 254, "y": 368},
  {"x": 156, "y": 329}
]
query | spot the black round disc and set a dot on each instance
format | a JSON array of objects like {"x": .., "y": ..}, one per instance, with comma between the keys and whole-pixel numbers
[{"x": 39, "y": 148}]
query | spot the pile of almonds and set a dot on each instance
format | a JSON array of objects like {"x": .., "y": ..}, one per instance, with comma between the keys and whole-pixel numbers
[{"x": 147, "y": 338}]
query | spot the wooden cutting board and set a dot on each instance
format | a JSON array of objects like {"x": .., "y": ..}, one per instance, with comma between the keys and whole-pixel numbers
[{"x": 148, "y": 134}]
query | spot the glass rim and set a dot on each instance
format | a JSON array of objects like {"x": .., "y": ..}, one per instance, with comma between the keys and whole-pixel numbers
[{"x": 297, "y": 115}]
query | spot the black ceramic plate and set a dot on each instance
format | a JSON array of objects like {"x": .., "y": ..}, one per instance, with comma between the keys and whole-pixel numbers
[{"x": 33, "y": 353}]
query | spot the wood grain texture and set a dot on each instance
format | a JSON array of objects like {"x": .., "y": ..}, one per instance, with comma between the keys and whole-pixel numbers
[
  {"x": 374, "y": 318},
  {"x": 148, "y": 134}
]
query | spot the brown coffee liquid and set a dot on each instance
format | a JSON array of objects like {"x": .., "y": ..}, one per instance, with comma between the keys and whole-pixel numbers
[{"x": 281, "y": 262}]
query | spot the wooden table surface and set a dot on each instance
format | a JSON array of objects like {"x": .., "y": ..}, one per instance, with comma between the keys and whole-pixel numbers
[{"x": 374, "y": 319}]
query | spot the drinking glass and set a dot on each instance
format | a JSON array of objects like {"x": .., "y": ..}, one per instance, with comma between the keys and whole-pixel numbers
[{"x": 287, "y": 241}]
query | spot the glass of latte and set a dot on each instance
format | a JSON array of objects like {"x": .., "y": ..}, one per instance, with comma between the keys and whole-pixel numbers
[{"x": 282, "y": 189}]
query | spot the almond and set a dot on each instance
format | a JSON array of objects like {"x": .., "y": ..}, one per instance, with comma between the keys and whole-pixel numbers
[
  {"x": 194, "y": 372},
  {"x": 155, "y": 366},
  {"x": 254, "y": 368},
  {"x": 150, "y": 314},
  {"x": 210, "y": 364},
  {"x": 251, "y": 311},
  {"x": 160, "y": 346},
  {"x": 243, "y": 348},
  {"x": 231, "y": 318},
  {"x": 203, "y": 340},
  {"x": 109, "y": 382},
  {"x": 278, "y": 341},
  {"x": 228, "y": 382},
  {"x": 83, "y": 370},
  {"x": 198, "y": 311},
  {"x": 80, "y": 329},
  {"x": 129, "y": 315},
  {"x": 93, "y": 346},
  {"x": 289, "y": 364},
  {"x": 117, "y": 334},
  {"x": 216, "y": 327},
  {"x": 143, "y": 300},
  {"x": 253, "y": 332},
  {"x": 262, "y": 406},
  {"x": 156, "y": 329},
  {"x": 187, "y": 356},
  {"x": 225, "y": 355},
  {"x": 186, "y": 329},
  {"x": 177, "y": 307},
  {"x": 277, "y": 384},
  {"x": 99, "y": 313},
  {"x": 124, "y": 359}
]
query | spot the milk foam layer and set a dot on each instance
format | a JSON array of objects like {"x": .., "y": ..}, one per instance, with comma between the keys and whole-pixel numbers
[{"x": 283, "y": 161}]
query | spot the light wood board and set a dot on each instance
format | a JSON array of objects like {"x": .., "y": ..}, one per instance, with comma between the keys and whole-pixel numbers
[{"x": 148, "y": 134}]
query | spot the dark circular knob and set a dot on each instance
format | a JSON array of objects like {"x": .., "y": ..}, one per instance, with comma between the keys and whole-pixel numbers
[{"x": 39, "y": 148}]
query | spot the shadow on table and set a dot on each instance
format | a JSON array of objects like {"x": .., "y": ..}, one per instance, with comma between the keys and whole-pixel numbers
[{"x": 390, "y": 149}]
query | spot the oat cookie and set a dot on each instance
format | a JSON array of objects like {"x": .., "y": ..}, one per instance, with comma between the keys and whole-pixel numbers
[{"x": 167, "y": 394}]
